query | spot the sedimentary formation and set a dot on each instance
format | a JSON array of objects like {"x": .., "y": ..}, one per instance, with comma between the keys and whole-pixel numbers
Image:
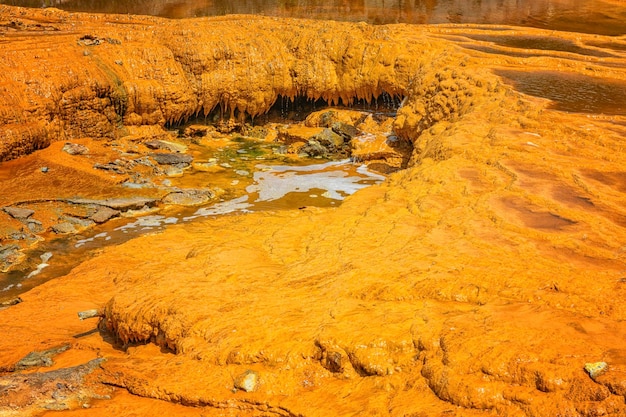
[{"x": 483, "y": 279}]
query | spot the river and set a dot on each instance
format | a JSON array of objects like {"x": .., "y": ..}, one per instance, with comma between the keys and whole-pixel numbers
[{"x": 588, "y": 16}]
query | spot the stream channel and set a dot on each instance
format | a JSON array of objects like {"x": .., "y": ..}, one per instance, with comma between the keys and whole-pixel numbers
[{"x": 249, "y": 174}]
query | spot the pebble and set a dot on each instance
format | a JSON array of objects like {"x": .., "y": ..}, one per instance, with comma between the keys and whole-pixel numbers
[
  {"x": 44, "y": 169},
  {"x": 247, "y": 381},
  {"x": 595, "y": 369}
]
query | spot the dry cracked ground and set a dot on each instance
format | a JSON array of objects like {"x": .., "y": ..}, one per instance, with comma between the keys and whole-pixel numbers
[{"x": 488, "y": 277}]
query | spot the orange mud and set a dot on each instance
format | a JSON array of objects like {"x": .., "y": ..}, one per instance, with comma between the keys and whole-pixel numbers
[{"x": 478, "y": 281}]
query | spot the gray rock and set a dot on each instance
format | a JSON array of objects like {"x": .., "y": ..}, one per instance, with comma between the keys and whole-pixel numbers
[
  {"x": 110, "y": 166},
  {"x": 75, "y": 149},
  {"x": 34, "y": 226},
  {"x": 314, "y": 148},
  {"x": 37, "y": 359},
  {"x": 345, "y": 130},
  {"x": 18, "y": 212},
  {"x": 44, "y": 169},
  {"x": 81, "y": 223},
  {"x": 596, "y": 369},
  {"x": 11, "y": 302},
  {"x": 63, "y": 228},
  {"x": 122, "y": 204},
  {"x": 247, "y": 381},
  {"x": 326, "y": 118},
  {"x": 19, "y": 236},
  {"x": 164, "y": 144},
  {"x": 103, "y": 214},
  {"x": 5, "y": 250},
  {"x": 137, "y": 186},
  {"x": 144, "y": 160},
  {"x": 333, "y": 361},
  {"x": 174, "y": 171},
  {"x": 171, "y": 158},
  {"x": 9, "y": 255},
  {"x": 329, "y": 139},
  {"x": 190, "y": 197}
]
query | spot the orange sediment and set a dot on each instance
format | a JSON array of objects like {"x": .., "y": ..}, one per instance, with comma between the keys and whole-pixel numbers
[{"x": 477, "y": 281}]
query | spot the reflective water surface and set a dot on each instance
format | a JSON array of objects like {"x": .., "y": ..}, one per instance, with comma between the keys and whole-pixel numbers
[
  {"x": 572, "y": 92},
  {"x": 588, "y": 16}
]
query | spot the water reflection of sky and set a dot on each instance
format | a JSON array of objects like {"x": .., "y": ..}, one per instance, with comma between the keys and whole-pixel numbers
[{"x": 590, "y": 16}]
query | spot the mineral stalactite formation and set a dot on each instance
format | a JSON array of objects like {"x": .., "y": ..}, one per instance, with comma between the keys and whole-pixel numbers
[
  {"x": 486, "y": 278},
  {"x": 89, "y": 77}
]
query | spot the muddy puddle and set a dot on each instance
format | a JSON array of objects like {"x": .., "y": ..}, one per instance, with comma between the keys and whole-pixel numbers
[{"x": 249, "y": 175}]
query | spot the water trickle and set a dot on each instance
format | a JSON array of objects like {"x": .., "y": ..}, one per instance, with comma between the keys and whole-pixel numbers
[{"x": 279, "y": 182}]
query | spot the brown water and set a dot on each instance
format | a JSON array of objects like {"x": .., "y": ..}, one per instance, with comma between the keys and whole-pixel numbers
[
  {"x": 571, "y": 92},
  {"x": 588, "y": 16}
]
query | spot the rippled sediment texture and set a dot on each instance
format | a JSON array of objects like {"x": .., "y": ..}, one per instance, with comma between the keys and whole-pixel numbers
[{"x": 478, "y": 281}]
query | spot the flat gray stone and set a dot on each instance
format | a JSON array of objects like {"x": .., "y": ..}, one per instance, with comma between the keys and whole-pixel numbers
[
  {"x": 103, "y": 214},
  {"x": 166, "y": 145},
  {"x": 18, "y": 212},
  {"x": 122, "y": 204},
  {"x": 171, "y": 158},
  {"x": 81, "y": 223},
  {"x": 75, "y": 149},
  {"x": 190, "y": 197},
  {"x": 63, "y": 228}
]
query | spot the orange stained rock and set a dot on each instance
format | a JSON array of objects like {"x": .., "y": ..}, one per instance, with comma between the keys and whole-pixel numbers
[{"x": 478, "y": 281}]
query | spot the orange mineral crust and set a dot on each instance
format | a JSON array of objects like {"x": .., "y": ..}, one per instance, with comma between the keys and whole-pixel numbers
[{"x": 487, "y": 277}]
